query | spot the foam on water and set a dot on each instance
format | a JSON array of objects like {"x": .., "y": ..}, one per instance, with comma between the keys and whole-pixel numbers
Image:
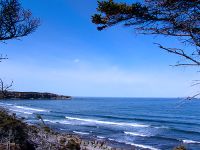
[
  {"x": 143, "y": 146},
  {"x": 136, "y": 145},
  {"x": 121, "y": 120},
  {"x": 57, "y": 121},
  {"x": 136, "y": 134},
  {"x": 21, "y": 111},
  {"x": 107, "y": 122},
  {"x": 100, "y": 137},
  {"x": 161, "y": 127},
  {"x": 31, "y": 109},
  {"x": 112, "y": 139},
  {"x": 191, "y": 142},
  {"x": 82, "y": 133},
  {"x": 5, "y": 104}
]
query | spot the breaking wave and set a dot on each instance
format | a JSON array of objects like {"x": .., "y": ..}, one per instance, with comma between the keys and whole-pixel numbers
[
  {"x": 93, "y": 121},
  {"x": 136, "y": 134},
  {"x": 191, "y": 142}
]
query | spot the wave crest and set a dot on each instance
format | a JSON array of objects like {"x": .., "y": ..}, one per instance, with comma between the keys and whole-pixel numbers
[
  {"x": 82, "y": 133},
  {"x": 191, "y": 142},
  {"x": 136, "y": 134},
  {"x": 107, "y": 122}
]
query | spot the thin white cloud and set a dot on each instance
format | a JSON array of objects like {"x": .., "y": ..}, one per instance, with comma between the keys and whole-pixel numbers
[
  {"x": 92, "y": 81},
  {"x": 76, "y": 60}
]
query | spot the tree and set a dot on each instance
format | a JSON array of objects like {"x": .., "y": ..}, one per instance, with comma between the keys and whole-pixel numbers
[
  {"x": 15, "y": 21},
  {"x": 4, "y": 89},
  {"x": 175, "y": 18}
]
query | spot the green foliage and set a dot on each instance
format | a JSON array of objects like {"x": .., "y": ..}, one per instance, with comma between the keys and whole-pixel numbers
[
  {"x": 112, "y": 13},
  {"x": 12, "y": 129}
]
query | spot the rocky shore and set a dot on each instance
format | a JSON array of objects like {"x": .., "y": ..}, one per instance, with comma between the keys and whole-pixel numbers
[
  {"x": 17, "y": 135},
  {"x": 45, "y": 140}
]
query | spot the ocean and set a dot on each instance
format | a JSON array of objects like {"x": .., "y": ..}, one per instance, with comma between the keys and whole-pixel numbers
[{"x": 146, "y": 123}]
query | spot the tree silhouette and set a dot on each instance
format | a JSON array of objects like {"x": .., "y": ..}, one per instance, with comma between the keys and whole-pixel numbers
[
  {"x": 4, "y": 89},
  {"x": 175, "y": 18},
  {"x": 15, "y": 21}
]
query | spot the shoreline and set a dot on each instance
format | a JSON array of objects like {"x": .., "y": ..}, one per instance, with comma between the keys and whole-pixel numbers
[
  {"x": 38, "y": 137},
  {"x": 15, "y": 95},
  {"x": 113, "y": 145},
  {"x": 84, "y": 138}
]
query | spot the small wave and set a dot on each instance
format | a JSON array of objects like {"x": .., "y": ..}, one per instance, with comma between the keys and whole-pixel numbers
[
  {"x": 9, "y": 104},
  {"x": 29, "y": 113},
  {"x": 136, "y": 145},
  {"x": 107, "y": 122},
  {"x": 100, "y": 137},
  {"x": 5, "y": 104},
  {"x": 191, "y": 142},
  {"x": 24, "y": 110},
  {"x": 112, "y": 140},
  {"x": 57, "y": 121},
  {"x": 31, "y": 109},
  {"x": 2, "y": 104},
  {"x": 20, "y": 111},
  {"x": 136, "y": 134},
  {"x": 161, "y": 127},
  {"x": 143, "y": 146},
  {"x": 82, "y": 133},
  {"x": 51, "y": 121},
  {"x": 62, "y": 129}
]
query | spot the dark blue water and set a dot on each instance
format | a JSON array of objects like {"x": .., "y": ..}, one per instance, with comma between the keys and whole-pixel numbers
[{"x": 142, "y": 122}]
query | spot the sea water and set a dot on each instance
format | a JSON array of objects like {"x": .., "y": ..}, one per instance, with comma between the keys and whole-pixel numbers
[{"x": 145, "y": 123}]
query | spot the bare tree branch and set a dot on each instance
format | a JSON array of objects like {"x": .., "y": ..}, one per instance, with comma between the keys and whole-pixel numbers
[
  {"x": 192, "y": 97},
  {"x": 180, "y": 18},
  {"x": 180, "y": 52},
  {"x": 4, "y": 89}
]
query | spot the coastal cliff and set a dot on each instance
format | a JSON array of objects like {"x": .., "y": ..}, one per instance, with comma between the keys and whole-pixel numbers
[{"x": 33, "y": 96}]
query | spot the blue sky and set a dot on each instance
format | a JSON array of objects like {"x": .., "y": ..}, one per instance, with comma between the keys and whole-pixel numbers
[{"x": 67, "y": 55}]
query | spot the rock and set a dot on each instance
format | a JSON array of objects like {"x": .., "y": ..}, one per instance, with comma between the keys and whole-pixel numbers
[
  {"x": 29, "y": 137},
  {"x": 73, "y": 145}
]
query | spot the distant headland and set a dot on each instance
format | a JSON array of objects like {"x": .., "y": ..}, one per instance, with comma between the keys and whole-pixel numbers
[{"x": 33, "y": 96}]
